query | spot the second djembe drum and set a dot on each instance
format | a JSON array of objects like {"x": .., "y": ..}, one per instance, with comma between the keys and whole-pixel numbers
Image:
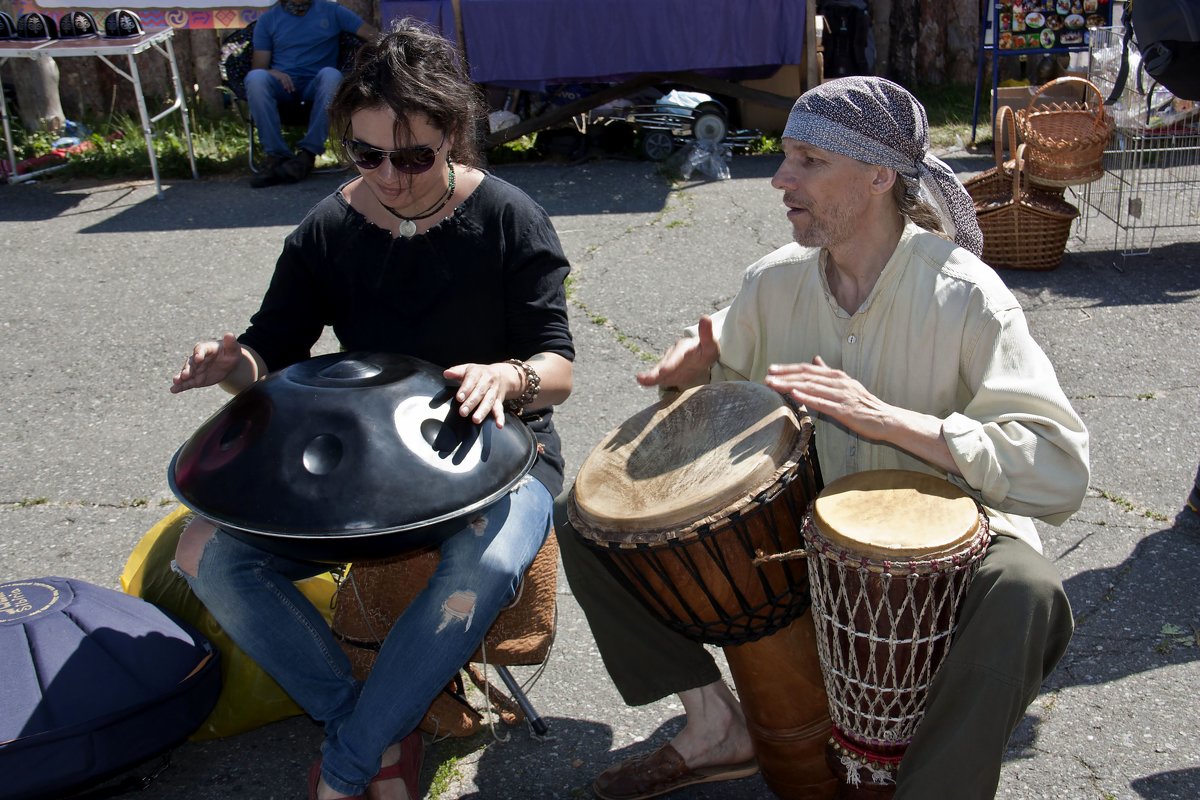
[{"x": 891, "y": 554}]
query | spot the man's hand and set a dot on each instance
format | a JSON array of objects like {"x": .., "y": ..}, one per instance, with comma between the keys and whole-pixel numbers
[
  {"x": 687, "y": 363},
  {"x": 284, "y": 79},
  {"x": 834, "y": 394}
]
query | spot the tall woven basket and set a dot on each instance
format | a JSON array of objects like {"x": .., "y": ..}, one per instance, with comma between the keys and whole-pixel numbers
[
  {"x": 1024, "y": 229},
  {"x": 1065, "y": 142},
  {"x": 995, "y": 180}
]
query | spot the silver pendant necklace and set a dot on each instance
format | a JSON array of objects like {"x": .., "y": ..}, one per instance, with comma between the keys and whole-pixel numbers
[{"x": 408, "y": 225}]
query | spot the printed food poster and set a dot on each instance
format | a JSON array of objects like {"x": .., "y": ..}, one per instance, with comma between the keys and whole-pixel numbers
[{"x": 1046, "y": 24}]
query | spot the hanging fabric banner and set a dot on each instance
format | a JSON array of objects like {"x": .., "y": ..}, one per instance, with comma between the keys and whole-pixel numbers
[{"x": 154, "y": 14}]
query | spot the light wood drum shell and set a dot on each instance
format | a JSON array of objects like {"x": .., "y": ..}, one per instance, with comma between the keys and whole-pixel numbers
[{"x": 682, "y": 502}]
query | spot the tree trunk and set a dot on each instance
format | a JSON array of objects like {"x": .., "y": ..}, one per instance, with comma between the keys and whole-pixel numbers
[
  {"x": 206, "y": 56},
  {"x": 902, "y": 41},
  {"x": 931, "y": 41},
  {"x": 36, "y": 83}
]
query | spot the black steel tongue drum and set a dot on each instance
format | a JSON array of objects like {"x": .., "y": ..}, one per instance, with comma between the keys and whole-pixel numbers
[{"x": 348, "y": 456}]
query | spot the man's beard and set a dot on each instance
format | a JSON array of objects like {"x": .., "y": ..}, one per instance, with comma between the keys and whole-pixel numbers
[
  {"x": 296, "y": 7},
  {"x": 837, "y": 224}
]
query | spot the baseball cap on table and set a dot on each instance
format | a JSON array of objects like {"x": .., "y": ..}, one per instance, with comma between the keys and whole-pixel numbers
[
  {"x": 8, "y": 28},
  {"x": 122, "y": 22},
  {"x": 36, "y": 25},
  {"x": 74, "y": 24}
]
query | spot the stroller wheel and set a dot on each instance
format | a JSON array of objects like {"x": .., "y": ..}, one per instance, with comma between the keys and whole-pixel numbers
[
  {"x": 709, "y": 126},
  {"x": 657, "y": 145}
]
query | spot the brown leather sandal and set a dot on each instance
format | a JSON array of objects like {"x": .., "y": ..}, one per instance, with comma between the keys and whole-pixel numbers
[{"x": 661, "y": 772}]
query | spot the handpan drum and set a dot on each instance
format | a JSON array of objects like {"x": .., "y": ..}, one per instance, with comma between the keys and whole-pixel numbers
[
  {"x": 686, "y": 502},
  {"x": 348, "y": 456},
  {"x": 891, "y": 554}
]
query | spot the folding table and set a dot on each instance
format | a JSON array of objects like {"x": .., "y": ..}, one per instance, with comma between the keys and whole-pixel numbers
[{"x": 103, "y": 48}]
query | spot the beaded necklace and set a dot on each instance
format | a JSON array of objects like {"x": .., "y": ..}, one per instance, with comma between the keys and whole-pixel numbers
[{"x": 408, "y": 225}]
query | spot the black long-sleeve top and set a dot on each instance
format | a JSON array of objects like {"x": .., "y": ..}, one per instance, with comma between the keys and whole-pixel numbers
[{"x": 482, "y": 286}]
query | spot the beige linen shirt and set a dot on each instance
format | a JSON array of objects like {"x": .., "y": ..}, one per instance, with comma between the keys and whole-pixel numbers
[{"x": 939, "y": 334}]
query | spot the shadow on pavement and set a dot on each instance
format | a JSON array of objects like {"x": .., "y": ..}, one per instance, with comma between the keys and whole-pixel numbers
[
  {"x": 1168, "y": 274},
  {"x": 1167, "y": 785},
  {"x": 1141, "y": 620}
]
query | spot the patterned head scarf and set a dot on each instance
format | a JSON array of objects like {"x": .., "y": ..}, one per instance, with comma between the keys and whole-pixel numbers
[{"x": 878, "y": 122}]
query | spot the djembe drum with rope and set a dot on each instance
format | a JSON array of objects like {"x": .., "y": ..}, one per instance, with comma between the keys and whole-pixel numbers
[
  {"x": 686, "y": 501},
  {"x": 891, "y": 554}
]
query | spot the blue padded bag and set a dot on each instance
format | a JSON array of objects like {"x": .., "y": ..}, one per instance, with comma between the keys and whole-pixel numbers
[{"x": 95, "y": 682}]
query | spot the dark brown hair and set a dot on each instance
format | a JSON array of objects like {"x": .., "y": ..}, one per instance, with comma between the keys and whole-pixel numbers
[{"x": 410, "y": 70}]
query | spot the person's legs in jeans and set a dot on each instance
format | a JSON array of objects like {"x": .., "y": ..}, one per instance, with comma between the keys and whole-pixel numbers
[
  {"x": 251, "y": 593},
  {"x": 479, "y": 573},
  {"x": 264, "y": 93},
  {"x": 318, "y": 93},
  {"x": 1013, "y": 627}
]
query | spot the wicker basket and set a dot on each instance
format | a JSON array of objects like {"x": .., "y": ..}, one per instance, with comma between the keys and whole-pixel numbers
[
  {"x": 995, "y": 180},
  {"x": 1065, "y": 141},
  {"x": 1024, "y": 229}
]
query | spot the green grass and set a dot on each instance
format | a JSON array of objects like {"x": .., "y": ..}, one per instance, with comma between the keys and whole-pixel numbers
[
  {"x": 118, "y": 149},
  {"x": 949, "y": 111}
]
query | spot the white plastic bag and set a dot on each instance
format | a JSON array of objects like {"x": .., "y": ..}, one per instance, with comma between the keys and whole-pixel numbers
[{"x": 710, "y": 159}]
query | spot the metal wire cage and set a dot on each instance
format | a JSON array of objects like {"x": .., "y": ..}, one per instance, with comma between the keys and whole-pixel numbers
[{"x": 1151, "y": 175}]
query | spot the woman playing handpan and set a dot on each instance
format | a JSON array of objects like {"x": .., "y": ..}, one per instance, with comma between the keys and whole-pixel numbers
[{"x": 423, "y": 254}]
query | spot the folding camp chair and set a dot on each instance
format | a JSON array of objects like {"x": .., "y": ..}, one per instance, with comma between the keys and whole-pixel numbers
[{"x": 237, "y": 50}]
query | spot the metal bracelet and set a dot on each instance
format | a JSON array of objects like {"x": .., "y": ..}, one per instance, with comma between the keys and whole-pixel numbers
[{"x": 533, "y": 385}]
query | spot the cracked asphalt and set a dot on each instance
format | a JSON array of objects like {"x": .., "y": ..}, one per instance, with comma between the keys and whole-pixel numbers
[{"x": 106, "y": 288}]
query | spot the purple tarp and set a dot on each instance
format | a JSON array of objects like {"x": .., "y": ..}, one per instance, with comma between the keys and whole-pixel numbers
[{"x": 514, "y": 42}]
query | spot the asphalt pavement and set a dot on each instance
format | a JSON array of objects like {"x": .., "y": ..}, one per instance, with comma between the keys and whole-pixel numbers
[{"x": 105, "y": 288}]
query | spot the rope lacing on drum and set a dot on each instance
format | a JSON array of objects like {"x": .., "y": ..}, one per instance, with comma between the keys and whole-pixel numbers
[{"x": 877, "y": 681}]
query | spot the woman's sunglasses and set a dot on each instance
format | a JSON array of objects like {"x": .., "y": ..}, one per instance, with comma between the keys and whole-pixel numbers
[{"x": 409, "y": 160}]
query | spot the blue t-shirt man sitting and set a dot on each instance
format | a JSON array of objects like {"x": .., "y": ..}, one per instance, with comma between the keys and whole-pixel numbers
[{"x": 296, "y": 59}]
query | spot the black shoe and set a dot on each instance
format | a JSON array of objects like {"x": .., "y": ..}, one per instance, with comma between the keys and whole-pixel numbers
[
  {"x": 297, "y": 168},
  {"x": 270, "y": 174}
]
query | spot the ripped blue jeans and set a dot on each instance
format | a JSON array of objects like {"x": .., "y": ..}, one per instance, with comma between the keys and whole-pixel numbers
[{"x": 251, "y": 594}]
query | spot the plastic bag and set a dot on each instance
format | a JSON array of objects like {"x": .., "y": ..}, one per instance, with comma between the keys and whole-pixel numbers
[
  {"x": 249, "y": 697},
  {"x": 711, "y": 159}
]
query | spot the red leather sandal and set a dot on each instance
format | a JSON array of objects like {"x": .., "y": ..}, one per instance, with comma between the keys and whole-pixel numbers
[{"x": 408, "y": 768}]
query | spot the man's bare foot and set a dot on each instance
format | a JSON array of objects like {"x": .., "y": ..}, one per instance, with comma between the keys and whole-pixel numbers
[{"x": 715, "y": 732}]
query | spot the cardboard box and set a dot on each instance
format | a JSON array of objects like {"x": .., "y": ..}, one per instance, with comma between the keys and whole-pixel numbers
[{"x": 787, "y": 81}]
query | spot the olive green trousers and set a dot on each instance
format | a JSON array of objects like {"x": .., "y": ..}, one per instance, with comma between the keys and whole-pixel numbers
[{"x": 1013, "y": 627}]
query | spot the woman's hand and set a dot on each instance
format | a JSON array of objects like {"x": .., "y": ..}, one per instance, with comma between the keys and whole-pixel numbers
[
  {"x": 210, "y": 363},
  {"x": 483, "y": 388}
]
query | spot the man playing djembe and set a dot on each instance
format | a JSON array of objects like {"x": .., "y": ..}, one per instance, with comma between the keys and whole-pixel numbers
[{"x": 909, "y": 353}]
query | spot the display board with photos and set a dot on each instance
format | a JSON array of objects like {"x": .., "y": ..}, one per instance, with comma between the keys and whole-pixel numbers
[{"x": 1033, "y": 25}]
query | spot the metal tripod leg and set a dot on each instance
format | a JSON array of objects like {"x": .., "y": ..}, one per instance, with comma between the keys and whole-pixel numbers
[{"x": 535, "y": 722}]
